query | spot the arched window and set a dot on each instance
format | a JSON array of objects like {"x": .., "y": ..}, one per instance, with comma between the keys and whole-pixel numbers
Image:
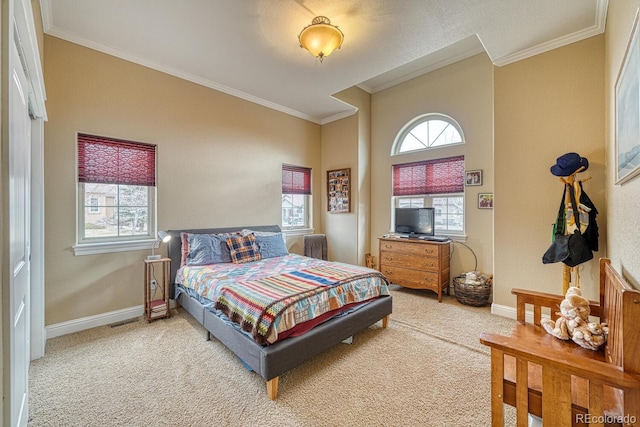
[
  {"x": 426, "y": 132},
  {"x": 437, "y": 182}
]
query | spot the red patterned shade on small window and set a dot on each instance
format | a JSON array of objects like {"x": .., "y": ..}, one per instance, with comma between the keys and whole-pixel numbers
[
  {"x": 104, "y": 160},
  {"x": 429, "y": 177},
  {"x": 296, "y": 180}
]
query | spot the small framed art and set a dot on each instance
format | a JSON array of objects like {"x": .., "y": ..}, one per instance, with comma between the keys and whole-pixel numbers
[
  {"x": 473, "y": 177},
  {"x": 485, "y": 200},
  {"x": 338, "y": 191}
]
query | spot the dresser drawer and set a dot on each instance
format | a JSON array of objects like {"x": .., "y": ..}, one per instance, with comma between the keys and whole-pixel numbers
[
  {"x": 408, "y": 247},
  {"x": 409, "y": 260},
  {"x": 410, "y": 278}
]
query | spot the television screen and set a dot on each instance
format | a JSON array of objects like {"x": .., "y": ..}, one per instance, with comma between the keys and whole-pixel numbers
[{"x": 415, "y": 221}]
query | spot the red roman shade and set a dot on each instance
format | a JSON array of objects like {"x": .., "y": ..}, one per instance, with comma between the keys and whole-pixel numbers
[
  {"x": 429, "y": 177},
  {"x": 296, "y": 180},
  {"x": 103, "y": 160}
]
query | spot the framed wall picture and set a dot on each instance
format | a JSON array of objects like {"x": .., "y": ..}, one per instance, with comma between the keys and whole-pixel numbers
[
  {"x": 473, "y": 177},
  {"x": 485, "y": 200},
  {"x": 627, "y": 117},
  {"x": 339, "y": 191}
]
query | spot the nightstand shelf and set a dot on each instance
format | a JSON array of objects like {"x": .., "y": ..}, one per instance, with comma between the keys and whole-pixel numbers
[{"x": 156, "y": 308}]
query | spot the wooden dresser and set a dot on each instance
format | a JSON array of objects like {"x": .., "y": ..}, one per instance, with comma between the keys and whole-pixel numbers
[{"x": 416, "y": 264}]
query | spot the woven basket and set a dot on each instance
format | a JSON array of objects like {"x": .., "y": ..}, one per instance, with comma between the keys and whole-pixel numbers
[{"x": 476, "y": 295}]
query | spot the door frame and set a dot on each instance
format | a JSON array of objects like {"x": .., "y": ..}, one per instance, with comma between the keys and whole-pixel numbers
[
  {"x": 26, "y": 31},
  {"x": 20, "y": 12}
]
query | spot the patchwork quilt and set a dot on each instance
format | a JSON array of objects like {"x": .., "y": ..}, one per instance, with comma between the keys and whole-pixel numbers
[{"x": 270, "y": 296}]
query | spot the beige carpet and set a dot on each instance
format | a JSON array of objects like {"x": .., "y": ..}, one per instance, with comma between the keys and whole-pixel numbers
[{"x": 427, "y": 369}]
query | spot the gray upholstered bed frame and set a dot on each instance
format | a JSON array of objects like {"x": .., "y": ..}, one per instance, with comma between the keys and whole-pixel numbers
[{"x": 271, "y": 361}]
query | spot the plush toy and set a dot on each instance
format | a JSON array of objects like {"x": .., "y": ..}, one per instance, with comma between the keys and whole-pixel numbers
[{"x": 574, "y": 324}]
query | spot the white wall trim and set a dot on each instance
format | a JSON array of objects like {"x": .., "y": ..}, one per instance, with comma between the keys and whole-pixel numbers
[
  {"x": 510, "y": 312},
  {"x": 77, "y": 325},
  {"x": 84, "y": 323},
  {"x": 503, "y": 310},
  {"x": 37, "y": 310},
  {"x": 597, "y": 28}
]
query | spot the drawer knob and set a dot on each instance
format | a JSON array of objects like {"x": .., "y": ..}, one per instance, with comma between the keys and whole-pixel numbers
[{"x": 388, "y": 246}]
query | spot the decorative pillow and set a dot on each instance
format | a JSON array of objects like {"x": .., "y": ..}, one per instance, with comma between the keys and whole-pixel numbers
[
  {"x": 243, "y": 249},
  {"x": 246, "y": 232},
  {"x": 203, "y": 249},
  {"x": 271, "y": 246}
]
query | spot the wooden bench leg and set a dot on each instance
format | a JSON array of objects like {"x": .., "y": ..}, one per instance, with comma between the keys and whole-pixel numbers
[
  {"x": 522, "y": 392},
  {"x": 497, "y": 388},
  {"x": 556, "y": 398},
  {"x": 632, "y": 406},
  {"x": 272, "y": 388}
]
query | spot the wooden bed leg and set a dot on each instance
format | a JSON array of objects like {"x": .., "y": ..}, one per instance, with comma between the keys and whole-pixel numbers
[
  {"x": 385, "y": 321},
  {"x": 272, "y": 388}
]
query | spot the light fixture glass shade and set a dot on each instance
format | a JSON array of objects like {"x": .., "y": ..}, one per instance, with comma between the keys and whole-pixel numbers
[{"x": 321, "y": 38}]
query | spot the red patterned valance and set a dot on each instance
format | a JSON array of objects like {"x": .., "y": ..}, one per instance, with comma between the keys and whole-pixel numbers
[
  {"x": 296, "y": 180},
  {"x": 104, "y": 160},
  {"x": 429, "y": 177}
]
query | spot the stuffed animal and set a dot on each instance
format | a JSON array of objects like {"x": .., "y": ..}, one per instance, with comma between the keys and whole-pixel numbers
[{"x": 574, "y": 324}]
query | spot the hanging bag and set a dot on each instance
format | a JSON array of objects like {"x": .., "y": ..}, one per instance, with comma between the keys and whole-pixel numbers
[{"x": 571, "y": 249}]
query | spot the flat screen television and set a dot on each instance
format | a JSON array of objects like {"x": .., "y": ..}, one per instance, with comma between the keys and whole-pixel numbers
[{"x": 415, "y": 221}]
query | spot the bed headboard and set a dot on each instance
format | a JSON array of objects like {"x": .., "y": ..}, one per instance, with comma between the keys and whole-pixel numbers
[{"x": 175, "y": 244}]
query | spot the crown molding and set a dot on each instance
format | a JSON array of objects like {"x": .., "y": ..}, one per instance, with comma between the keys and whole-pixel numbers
[{"x": 597, "y": 28}]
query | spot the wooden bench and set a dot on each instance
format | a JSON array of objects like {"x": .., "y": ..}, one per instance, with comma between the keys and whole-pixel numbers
[{"x": 561, "y": 382}]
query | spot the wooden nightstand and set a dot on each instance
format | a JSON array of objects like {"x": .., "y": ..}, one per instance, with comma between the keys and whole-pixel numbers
[{"x": 156, "y": 308}]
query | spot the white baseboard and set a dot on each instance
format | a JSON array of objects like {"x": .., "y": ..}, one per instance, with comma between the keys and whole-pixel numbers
[
  {"x": 503, "y": 310},
  {"x": 77, "y": 325},
  {"x": 510, "y": 312}
]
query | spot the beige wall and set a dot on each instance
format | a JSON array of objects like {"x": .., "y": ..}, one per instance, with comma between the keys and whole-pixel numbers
[
  {"x": 463, "y": 91},
  {"x": 623, "y": 201},
  {"x": 219, "y": 164},
  {"x": 347, "y": 143},
  {"x": 340, "y": 151},
  {"x": 545, "y": 106}
]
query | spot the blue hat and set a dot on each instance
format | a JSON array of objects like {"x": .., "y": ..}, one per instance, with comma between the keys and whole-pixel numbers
[{"x": 568, "y": 164}]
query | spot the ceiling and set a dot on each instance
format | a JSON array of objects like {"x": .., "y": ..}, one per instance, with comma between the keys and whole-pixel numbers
[{"x": 249, "y": 48}]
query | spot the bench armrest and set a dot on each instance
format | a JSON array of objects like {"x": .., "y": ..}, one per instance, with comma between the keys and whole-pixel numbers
[{"x": 534, "y": 351}]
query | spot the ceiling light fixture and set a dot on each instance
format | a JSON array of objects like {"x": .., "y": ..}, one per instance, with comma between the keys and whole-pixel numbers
[{"x": 321, "y": 38}]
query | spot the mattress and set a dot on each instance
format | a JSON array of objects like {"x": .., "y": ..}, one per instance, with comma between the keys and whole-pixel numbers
[{"x": 276, "y": 297}]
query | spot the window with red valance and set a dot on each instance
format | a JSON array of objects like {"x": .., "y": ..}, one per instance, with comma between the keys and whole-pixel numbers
[
  {"x": 296, "y": 197},
  {"x": 116, "y": 192},
  {"x": 437, "y": 176}
]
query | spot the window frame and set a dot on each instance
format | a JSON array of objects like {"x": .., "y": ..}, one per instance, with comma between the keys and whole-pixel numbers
[
  {"x": 297, "y": 188},
  {"x": 107, "y": 244},
  {"x": 412, "y": 124}
]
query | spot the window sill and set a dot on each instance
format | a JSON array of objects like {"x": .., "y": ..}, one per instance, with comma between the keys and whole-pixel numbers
[
  {"x": 298, "y": 231},
  {"x": 107, "y": 247}
]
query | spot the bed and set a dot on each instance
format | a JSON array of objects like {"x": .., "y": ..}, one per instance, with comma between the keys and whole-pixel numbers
[{"x": 287, "y": 339}]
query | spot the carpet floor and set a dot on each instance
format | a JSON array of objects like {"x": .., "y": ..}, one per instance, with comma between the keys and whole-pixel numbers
[{"x": 427, "y": 368}]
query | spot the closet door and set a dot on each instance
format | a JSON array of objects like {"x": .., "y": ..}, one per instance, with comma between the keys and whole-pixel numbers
[{"x": 19, "y": 156}]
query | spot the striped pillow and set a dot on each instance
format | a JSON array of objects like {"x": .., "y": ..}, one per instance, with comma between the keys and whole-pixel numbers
[{"x": 243, "y": 249}]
